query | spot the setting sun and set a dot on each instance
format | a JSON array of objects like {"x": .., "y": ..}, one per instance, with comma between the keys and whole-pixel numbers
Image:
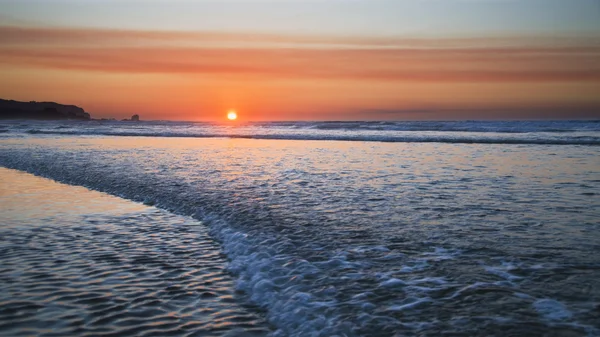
[{"x": 232, "y": 115}]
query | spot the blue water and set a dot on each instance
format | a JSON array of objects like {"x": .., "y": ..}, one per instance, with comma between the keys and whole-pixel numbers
[
  {"x": 77, "y": 262},
  {"x": 478, "y": 132},
  {"x": 365, "y": 228}
]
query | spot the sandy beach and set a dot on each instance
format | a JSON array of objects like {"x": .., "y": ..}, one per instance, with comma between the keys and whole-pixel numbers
[{"x": 83, "y": 263}]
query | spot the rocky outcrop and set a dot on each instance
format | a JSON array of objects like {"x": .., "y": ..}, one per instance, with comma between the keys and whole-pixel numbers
[
  {"x": 40, "y": 110},
  {"x": 134, "y": 118}
]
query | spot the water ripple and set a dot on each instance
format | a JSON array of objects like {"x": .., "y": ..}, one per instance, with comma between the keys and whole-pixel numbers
[{"x": 143, "y": 273}]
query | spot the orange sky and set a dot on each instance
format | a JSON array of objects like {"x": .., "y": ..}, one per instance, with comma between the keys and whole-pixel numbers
[{"x": 194, "y": 75}]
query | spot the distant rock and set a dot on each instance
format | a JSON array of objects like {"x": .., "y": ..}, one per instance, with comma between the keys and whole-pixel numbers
[
  {"x": 40, "y": 110},
  {"x": 134, "y": 118}
]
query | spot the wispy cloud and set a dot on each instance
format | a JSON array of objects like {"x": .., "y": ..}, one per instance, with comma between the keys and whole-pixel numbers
[
  {"x": 278, "y": 56},
  {"x": 19, "y": 35}
]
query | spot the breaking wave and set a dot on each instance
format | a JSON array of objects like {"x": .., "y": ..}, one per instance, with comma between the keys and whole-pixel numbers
[
  {"x": 360, "y": 137},
  {"x": 357, "y": 252}
]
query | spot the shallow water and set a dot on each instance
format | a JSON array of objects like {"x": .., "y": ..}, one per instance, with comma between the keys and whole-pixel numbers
[
  {"x": 82, "y": 263},
  {"x": 370, "y": 239},
  {"x": 453, "y": 132}
]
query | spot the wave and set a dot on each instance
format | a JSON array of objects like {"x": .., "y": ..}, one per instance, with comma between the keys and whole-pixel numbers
[
  {"x": 304, "y": 286},
  {"x": 309, "y": 278},
  {"x": 536, "y": 139},
  {"x": 267, "y": 264},
  {"x": 446, "y": 126}
]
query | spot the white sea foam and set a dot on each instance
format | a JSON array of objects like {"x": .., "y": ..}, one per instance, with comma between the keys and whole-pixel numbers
[
  {"x": 550, "y": 132},
  {"x": 503, "y": 272},
  {"x": 344, "y": 251},
  {"x": 552, "y": 309},
  {"x": 392, "y": 283},
  {"x": 411, "y": 305}
]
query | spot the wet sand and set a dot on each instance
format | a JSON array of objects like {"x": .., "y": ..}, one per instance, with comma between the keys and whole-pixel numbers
[{"x": 76, "y": 262}]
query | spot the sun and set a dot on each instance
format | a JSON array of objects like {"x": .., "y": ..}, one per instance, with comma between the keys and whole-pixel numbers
[{"x": 232, "y": 115}]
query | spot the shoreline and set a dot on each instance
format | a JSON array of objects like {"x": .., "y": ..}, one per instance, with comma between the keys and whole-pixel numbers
[{"x": 109, "y": 265}]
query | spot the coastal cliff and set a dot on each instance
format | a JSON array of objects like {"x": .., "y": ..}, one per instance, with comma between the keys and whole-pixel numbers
[{"x": 40, "y": 110}]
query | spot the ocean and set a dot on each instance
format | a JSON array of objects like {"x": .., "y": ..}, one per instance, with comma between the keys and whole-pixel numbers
[{"x": 465, "y": 228}]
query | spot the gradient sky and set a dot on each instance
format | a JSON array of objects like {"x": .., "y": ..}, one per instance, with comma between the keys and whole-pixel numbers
[{"x": 299, "y": 60}]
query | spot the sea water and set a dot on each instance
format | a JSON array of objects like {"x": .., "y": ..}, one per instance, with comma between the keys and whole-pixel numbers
[
  {"x": 76, "y": 262},
  {"x": 363, "y": 228}
]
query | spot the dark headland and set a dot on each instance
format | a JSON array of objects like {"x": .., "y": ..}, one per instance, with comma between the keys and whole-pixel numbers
[{"x": 40, "y": 110}]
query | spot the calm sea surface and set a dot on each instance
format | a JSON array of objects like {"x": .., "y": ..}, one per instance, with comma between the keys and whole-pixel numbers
[{"x": 312, "y": 229}]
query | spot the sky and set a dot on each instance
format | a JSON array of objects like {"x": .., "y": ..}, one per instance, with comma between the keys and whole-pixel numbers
[{"x": 306, "y": 60}]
